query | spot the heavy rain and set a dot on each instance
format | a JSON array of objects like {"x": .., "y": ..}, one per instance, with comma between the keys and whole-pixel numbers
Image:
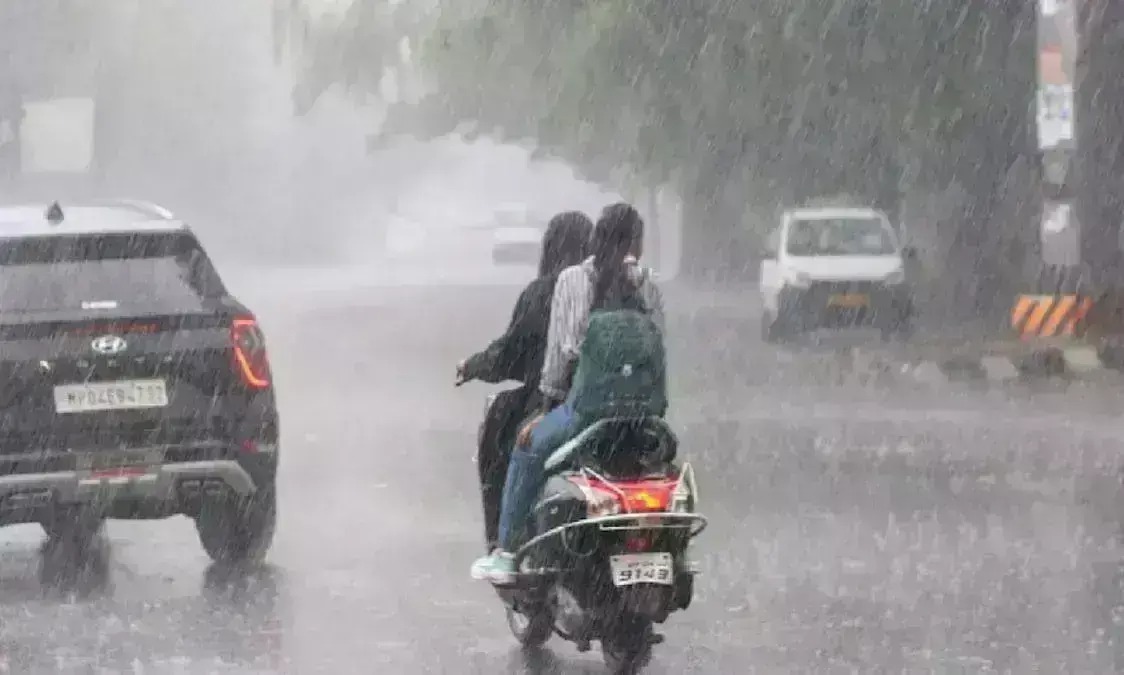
[{"x": 247, "y": 249}]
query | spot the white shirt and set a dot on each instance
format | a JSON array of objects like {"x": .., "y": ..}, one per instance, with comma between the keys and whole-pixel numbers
[{"x": 569, "y": 319}]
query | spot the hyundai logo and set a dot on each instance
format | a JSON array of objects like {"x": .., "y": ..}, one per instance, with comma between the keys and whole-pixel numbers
[{"x": 109, "y": 345}]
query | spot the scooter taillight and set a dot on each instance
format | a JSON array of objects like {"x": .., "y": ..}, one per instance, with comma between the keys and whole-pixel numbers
[
  {"x": 602, "y": 503},
  {"x": 647, "y": 497},
  {"x": 611, "y": 498}
]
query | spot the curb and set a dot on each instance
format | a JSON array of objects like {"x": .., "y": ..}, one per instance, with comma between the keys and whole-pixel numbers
[{"x": 1072, "y": 363}]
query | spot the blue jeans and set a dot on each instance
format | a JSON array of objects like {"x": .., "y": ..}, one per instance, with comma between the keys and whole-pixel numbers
[{"x": 525, "y": 474}]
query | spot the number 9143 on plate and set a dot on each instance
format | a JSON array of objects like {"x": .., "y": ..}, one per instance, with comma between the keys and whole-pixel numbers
[{"x": 642, "y": 568}]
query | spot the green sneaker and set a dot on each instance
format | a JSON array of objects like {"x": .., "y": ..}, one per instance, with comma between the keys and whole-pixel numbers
[
  {"x": 481, "y": 568},
  {"x": 502, "y": 572},
  {"x": 498, "y": 568}
]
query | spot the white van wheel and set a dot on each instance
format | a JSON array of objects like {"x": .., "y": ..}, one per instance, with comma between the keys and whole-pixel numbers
[{"x": 771, "y": 331}]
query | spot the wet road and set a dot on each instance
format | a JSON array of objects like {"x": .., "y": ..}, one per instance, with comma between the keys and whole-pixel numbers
[{"x": 856, "y": 526}]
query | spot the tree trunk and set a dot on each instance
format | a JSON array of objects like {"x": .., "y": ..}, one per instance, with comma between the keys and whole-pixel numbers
[
  {"x": 700, "y": 225},
  {"x": 987, "y": 240},
  {"x": 984, "y": 243},
  {"x": 707, "y": 225},
  {"x": 1098, "y": 162}
]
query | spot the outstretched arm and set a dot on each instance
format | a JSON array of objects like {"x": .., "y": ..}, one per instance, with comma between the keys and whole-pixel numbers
[{"x": 499, "y": 360}]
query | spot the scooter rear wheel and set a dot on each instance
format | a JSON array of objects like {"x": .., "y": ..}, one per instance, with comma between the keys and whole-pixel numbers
[
  {"x": 629, "y": 648},
  {"x": 533, "y": 629}
]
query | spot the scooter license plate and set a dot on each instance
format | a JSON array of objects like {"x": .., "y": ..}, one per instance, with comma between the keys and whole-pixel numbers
[{"x": 642, "y": 568}]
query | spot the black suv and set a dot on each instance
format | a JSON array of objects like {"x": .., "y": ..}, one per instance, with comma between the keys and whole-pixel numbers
[{"x": 133, "y": 385}]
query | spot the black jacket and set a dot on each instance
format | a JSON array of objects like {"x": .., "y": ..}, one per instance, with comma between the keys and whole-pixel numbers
[{"x": 518, "y": 354}]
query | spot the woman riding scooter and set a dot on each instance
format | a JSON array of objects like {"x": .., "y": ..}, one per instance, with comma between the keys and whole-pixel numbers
[
  {"x": 518, "y": 355},
  {"x": 610, "y": 277}
]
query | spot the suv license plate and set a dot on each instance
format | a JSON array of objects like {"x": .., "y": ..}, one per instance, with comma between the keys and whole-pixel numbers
[{"x": 119, "y": 395}]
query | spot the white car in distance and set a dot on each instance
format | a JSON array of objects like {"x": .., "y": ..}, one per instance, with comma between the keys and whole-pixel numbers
[
  {"x": 835, "y": 268},
  {"x": 517, "y": 237}
]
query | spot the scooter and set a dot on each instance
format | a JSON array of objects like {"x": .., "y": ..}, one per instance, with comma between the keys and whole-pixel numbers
[{"x": 607, "y": 558}]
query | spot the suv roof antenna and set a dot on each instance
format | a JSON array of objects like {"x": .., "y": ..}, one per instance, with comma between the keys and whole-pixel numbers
[{"x": 55, "y": 215}]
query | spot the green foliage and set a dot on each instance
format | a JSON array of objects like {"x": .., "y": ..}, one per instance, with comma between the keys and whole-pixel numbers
[
  {"x": 786, "y": 85},
  {"x": 770, "y": 99},
  {"x": 351, "y": 48}
]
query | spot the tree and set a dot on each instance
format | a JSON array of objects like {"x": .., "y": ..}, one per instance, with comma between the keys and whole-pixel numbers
[
  {"x": 351, "y": 48},
  {"x": 752, "y": 102}
]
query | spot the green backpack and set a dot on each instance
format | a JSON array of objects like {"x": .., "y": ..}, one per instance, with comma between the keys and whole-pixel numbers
[{"x": 622, "y": 369}]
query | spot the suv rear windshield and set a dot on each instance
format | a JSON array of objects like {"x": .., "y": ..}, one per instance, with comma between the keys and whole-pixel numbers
[
  {"x": 141, "y": 273},
  {"x": 839, "y": 236}
]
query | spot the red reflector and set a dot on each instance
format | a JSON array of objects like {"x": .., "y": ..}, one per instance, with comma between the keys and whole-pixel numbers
[
  {"x": 249, "y": 446},
  {"x": 637, "y": 543},
  {"x": 120, "y": 472}
]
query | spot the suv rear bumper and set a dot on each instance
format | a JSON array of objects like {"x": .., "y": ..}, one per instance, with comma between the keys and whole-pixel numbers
[
  {"x": 159, "y": 482},
  {"x": 149, "y": 490}
]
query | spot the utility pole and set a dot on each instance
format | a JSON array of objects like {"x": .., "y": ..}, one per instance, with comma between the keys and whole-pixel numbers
[{"x": 1057, "y": 57}]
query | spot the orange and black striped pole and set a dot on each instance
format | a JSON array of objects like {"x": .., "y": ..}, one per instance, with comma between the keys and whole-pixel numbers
[{"x": 1050, "y": 315}]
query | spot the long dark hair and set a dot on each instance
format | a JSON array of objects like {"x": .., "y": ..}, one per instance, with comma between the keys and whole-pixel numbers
[
  {"x": 618, "y": 233},
  {"x": 565, "y": 242}
]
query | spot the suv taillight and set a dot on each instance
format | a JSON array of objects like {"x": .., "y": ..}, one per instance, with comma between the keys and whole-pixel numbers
[{"x": 249, "y": 352}]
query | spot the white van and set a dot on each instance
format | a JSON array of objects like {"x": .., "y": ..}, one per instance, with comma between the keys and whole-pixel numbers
[{"x": 835, "y": 267}]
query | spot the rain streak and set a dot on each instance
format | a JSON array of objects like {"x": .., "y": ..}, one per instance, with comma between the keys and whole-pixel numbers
[{"x": 497, "y": 336}]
